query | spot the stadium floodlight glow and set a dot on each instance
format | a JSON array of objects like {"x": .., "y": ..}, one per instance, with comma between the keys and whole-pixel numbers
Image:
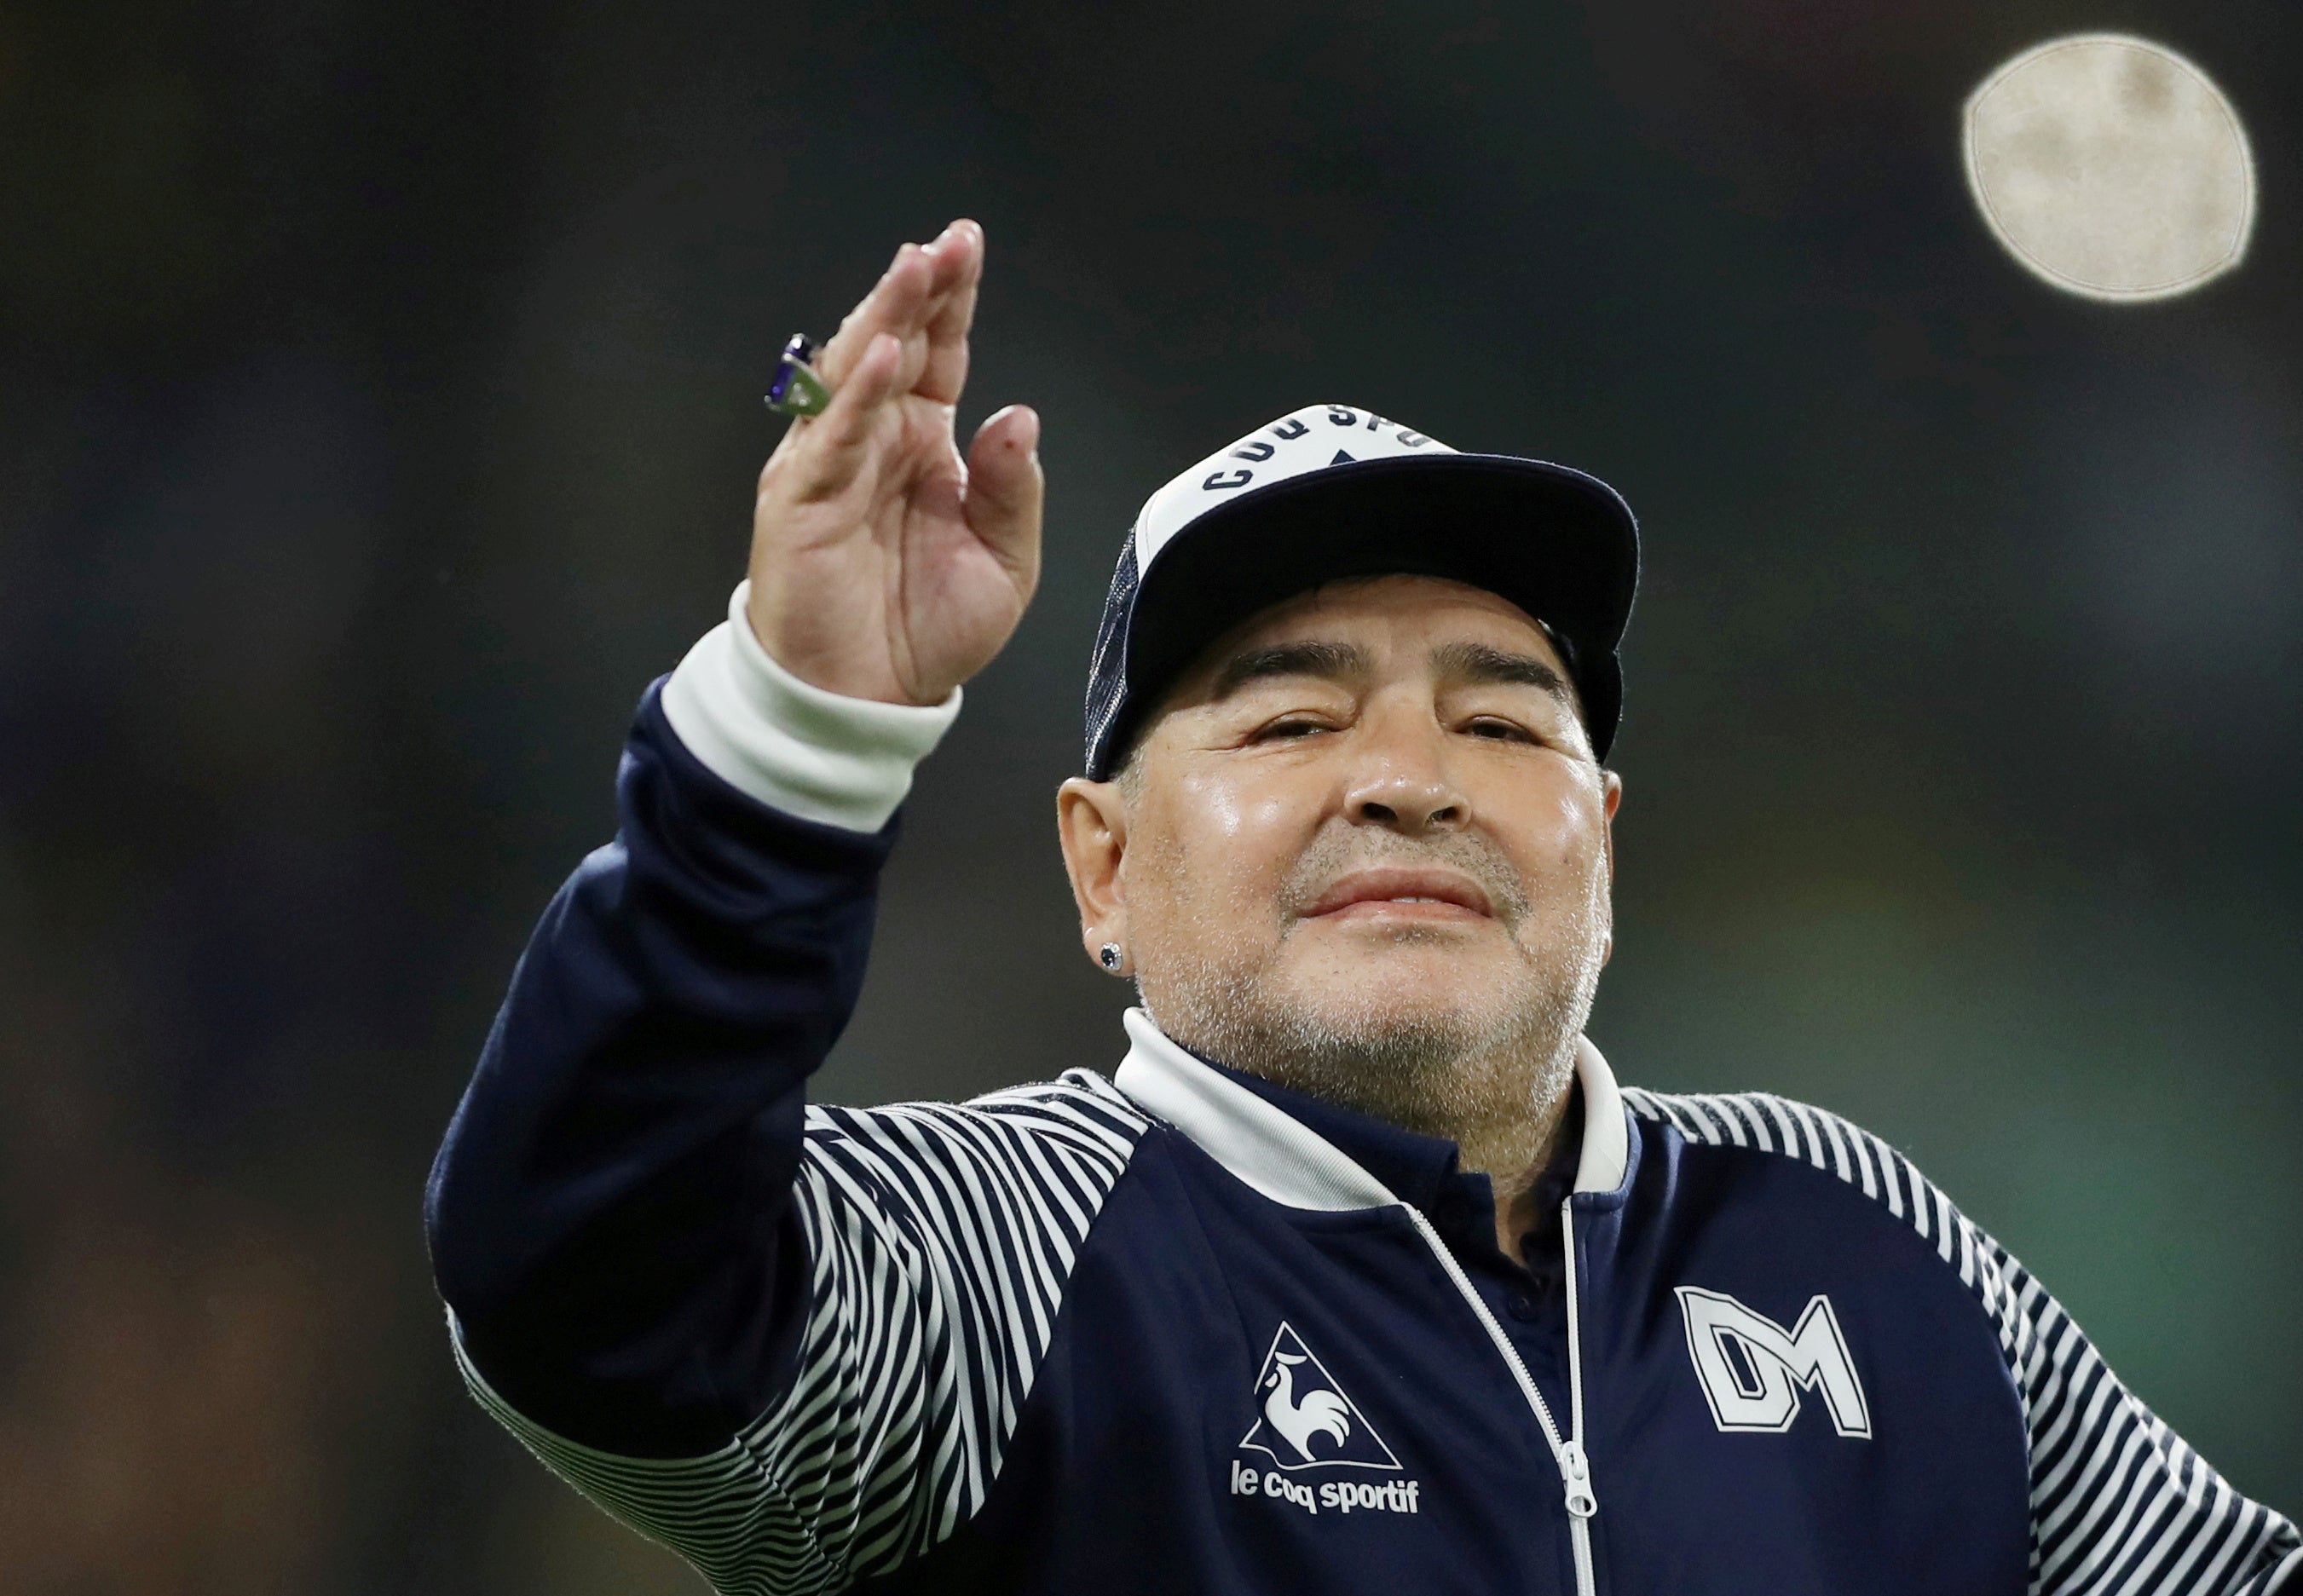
[{"x": 2111, "y": 167}]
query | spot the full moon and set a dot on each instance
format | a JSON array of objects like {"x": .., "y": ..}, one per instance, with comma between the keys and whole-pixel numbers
[{"x": 2111, "y": 167}]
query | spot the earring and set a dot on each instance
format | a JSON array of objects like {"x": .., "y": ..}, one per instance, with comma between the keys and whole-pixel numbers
[{"x": 1109, "y": 956}]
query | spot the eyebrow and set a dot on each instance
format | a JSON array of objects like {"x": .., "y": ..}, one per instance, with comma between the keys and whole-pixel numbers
[
  {"x": 1330, "y": 660},
  {"x": 1477, "y": 662},
  {"x": 1474, "y": 662}
]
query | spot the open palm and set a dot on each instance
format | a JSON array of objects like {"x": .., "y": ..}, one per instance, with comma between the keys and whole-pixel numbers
[{"x": 884, "y": 564}]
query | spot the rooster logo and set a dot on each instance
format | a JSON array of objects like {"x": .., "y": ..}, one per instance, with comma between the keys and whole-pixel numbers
[
  {"x": 1307, "y": 1420},
  {"x": 1321, "y": 1412}
]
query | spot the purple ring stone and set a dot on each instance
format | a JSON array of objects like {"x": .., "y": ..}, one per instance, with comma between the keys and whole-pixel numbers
[{"x": 799, "y": 351}]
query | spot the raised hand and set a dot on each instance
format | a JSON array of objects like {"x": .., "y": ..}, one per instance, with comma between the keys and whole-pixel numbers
[{"x": 885, "y": 566}]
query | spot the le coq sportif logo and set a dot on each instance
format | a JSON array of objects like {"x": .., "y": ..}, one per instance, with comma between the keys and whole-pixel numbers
[{"x": 1303, "y": 1418}]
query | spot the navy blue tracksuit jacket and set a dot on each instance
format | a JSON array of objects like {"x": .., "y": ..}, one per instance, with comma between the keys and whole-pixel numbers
[{"x": 1177, "y": 1330}]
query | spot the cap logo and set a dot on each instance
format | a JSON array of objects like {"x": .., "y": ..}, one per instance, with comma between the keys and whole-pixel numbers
[{"x": 1305, "y": 441}]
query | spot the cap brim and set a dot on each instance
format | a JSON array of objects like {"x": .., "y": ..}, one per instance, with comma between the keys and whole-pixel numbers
[{"x": 1561, "y": 545}]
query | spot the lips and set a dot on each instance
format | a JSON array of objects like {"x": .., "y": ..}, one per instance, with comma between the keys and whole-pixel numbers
[{"x": 1400, "y": 889}]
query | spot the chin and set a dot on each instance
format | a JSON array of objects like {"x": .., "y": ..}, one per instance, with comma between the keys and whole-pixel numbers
[
  {"x": 1415, "y": 968},
  {"x": 1388, "y": 1003},
  {"x": 1374, "y": 1018}
]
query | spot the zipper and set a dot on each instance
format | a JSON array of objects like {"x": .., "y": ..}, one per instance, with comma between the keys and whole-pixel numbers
[
  {"x": 1568, "y": 1454},
  {"x": 1582, "y": 1502}
]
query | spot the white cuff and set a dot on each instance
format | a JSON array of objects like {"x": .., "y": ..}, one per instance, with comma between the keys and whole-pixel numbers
[{"x": 822, "y": 756}]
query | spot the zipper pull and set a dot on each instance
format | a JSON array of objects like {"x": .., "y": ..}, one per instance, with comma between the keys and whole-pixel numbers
[{"x": 1575, "y": 1469}]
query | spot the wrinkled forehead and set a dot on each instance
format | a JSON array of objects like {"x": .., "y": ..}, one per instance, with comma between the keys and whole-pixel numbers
[{"x": 1377, "y": 614}]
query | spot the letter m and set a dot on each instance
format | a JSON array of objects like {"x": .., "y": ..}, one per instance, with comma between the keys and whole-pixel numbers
[{"x": 1753, "y": 1369}]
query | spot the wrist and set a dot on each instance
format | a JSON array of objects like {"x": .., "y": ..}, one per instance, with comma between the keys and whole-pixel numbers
[
  {"x": 801, "y": 641},
  {"x": 829, "y": 756}
]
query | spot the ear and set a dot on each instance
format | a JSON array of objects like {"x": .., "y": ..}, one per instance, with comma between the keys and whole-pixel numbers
[
  {"x": 1614, "y": 801},
  {"x": 1092, "y": 825}
]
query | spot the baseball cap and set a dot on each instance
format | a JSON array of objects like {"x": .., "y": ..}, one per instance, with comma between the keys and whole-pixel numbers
[{"x": 1332, "y": 491}]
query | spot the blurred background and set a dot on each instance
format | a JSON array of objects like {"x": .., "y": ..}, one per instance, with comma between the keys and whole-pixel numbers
[{"x": 381, "y": 407}]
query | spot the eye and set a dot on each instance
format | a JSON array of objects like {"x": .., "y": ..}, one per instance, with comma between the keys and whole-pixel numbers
[
  {"x": 1290, "y": 727},
  {"x": 1500, "y": 731}
]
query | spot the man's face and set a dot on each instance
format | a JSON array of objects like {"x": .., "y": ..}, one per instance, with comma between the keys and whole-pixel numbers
[{"x": 1363, "y": 851}]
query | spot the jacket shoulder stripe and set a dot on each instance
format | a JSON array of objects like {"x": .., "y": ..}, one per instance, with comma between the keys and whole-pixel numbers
[
  {"x": 941, "y": 1239},
  {"x": 2120, "y": 1505}
]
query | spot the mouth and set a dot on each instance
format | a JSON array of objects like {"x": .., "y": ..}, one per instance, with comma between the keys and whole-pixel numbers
[{"x": 1396, "y": 893}]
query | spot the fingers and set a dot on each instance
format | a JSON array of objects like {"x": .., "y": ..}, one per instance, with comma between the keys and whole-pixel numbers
[
  {"x": 908, "y": 335},
  {"x": 914, "y": 299},
  {"x": 1004, "y": 490},
  {"x": 893, "y": 305},
  {"x": 959, "y": 251},
  {"x": 836, "y": 443}
]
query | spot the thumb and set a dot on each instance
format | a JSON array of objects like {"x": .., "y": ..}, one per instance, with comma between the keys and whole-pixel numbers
[{"x": 1004, "y": 488}]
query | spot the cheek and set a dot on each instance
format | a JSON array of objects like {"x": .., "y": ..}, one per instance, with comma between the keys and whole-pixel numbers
[
  {"x": 1562, "y": 840},
  {"x": 1237, "y": 821},
  {"x": 1229, "y": 847}
]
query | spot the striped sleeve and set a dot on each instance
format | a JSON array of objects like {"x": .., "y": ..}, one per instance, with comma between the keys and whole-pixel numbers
[
  {"x": 940, "y": 1240},
  {"x": 2120, "y": 1505}
]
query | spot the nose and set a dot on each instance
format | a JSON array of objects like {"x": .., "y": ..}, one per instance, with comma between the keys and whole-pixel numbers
[{"x": 1403, "y": 783}]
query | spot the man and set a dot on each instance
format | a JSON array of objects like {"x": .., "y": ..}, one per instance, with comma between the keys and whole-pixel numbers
[{"x": 1360, "y": 1273}]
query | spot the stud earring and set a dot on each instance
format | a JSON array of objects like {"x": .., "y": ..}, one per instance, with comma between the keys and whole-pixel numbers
[{"x": 1109, "y": 956}]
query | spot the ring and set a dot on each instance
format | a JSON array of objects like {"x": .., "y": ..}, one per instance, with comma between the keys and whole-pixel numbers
[{"x": 796, "y": 389}]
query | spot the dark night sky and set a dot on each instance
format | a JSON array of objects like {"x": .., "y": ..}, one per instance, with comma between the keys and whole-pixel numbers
[{"x": 381, "y": 413}]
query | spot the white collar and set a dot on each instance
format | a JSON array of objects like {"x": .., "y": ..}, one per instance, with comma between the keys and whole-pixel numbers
[{"x": 1289, "y": 1163}]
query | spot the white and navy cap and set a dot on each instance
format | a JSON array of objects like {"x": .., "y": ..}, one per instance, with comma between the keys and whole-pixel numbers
[{"x": 1334, "y": 492}]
